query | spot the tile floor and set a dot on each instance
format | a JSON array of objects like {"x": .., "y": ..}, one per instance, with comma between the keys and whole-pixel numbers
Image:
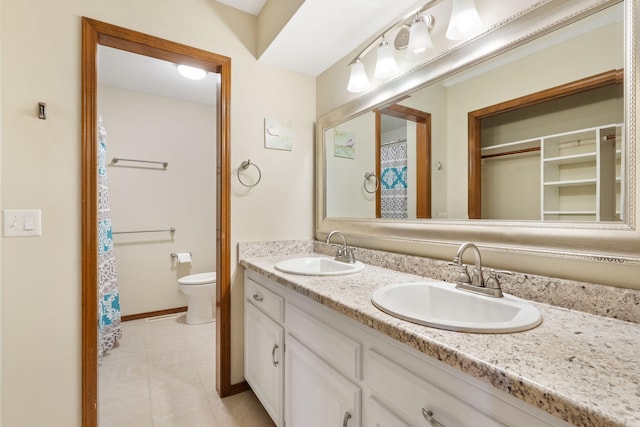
[{"x": 162, "y": 374}]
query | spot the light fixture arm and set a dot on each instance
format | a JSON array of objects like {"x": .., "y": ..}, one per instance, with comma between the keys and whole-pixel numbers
[{"x": 409, "y": 17}]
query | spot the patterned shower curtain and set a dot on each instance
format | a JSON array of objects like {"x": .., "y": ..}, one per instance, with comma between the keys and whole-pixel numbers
[
  {"x": 393, "y": 162},
  {"x": 109, "y": 329}
]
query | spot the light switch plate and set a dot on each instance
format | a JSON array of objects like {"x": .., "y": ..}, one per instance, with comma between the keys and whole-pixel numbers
[{"x": 22, "y": 222}]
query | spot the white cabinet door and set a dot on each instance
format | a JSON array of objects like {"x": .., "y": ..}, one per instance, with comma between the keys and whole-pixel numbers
[
  {"x": 377, "y": 415},
  {"x": 316, "y": 395},
  {"x": 263, "y": 360}
]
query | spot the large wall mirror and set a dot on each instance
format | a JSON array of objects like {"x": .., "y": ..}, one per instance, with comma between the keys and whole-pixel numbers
[{"x": 531, "y": 134}]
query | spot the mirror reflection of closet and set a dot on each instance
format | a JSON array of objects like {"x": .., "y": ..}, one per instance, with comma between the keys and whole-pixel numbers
[{"x": 153, "y": 114}]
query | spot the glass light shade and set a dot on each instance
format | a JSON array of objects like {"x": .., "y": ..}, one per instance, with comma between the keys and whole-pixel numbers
[
  {"x": 358, "y": 80},
  {"x": 419, "y": 38},
  {"x": 465, "y": 21},
  {"x": 191, "y": 73},
  {"x": 386, "y": 65}
]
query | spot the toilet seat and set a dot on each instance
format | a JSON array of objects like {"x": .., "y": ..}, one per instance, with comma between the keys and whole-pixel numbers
[{"x": 198, "y": 279}]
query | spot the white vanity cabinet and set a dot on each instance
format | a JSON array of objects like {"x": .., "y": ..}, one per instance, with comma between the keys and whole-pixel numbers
[
  {"x": 264, "y": 347},
  {"x": 408, "y": 396},
  {"x": 316, "y": 395},
  {"x": 339, "y": 372}
]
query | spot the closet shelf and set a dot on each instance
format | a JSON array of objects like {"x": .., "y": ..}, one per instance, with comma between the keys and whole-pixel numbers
[{"x": 574, "y": 158}]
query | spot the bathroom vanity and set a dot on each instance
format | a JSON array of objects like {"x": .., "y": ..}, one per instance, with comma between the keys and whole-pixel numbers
[{"x": 317, "y": 352}]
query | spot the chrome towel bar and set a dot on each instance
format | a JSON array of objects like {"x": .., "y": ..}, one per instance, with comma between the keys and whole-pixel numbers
[
  {"x": 171, "y": 230},
  {"x": 118, "y": 159}
]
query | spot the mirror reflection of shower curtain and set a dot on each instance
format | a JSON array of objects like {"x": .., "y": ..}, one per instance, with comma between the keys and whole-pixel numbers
[
  {"x": 109, "y": 328},
  {"x": 393, "y": 162}
]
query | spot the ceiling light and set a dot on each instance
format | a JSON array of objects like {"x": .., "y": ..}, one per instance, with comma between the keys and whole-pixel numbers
[
  {"x": 358, "y": 80},
  {"x": 465, "y": 21},
  {"x": 386, "y": 65},
  {"x": 419, "y": 38},
  {"x": 192, "y": 73}
]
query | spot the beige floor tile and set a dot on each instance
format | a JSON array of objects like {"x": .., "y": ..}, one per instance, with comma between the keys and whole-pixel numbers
[
  {"x": 163, "y": 375},
  {"x": 241, "y": 410},
  {"x": 203, "y": 419},
  {"x": 176, "y": 400},
  {"x": 125, "y": 413}
]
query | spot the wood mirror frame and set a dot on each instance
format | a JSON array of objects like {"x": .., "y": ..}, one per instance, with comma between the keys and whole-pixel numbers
[{"x": 96, "y": 33}]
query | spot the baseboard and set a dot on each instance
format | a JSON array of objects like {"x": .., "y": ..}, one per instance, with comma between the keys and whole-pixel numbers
[
  {"x": 238, "y": 388},
  {"x": 153, "y": 314}
]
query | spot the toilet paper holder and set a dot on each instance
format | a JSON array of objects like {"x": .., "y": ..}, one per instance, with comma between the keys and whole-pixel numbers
[{"x": 175, "y": 255}]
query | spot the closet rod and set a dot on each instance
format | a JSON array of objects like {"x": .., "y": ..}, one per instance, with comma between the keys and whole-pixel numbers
[
  {"x": 171, "y": 230},
  {"x": 509, "y": 153},
  {"x": 118, "y": 159}
]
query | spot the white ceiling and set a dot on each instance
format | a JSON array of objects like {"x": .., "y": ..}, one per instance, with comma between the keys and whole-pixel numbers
[
  {"x": 250, "y": 6},
  {"x": 126, "y": 70},
  {"x": 319, "y": 34}
]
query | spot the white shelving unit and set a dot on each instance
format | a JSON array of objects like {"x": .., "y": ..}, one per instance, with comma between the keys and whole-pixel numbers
[{"x": 581, "y": 172}]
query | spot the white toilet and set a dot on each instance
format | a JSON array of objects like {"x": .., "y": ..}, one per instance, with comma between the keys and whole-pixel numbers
[{"x": 201, "y": 290}]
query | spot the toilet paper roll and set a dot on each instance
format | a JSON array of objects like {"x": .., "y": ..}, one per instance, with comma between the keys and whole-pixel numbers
[{"x": 184, "y": 257}]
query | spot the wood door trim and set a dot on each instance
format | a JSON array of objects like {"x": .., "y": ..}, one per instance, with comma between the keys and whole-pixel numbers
[
  {"x": 95, "y": 33},
  {"x": 475, "y": 117},
  {"x": 423, "y": 155}
]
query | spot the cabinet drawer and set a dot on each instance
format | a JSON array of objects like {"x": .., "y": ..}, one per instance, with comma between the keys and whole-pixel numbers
[
  {"x": 338, "y": 350},
  {"x": 408, "y": 394},
  {"x": 270, "y": 303}
]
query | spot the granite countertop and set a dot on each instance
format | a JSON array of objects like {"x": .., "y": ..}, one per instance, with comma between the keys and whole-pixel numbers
[{"x": 579, "y": 367}]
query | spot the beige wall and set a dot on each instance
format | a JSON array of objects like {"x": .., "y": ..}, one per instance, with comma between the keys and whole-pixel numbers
[
  {"x": 183, "y": 196},
  {"x": 40, "y": 57},
  {"x": 345, "y": 177}
]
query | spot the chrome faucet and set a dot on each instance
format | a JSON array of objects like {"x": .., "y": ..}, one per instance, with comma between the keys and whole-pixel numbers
[
  {"x": 344, "y": 253},
  {"x": 475, "y": 282}
]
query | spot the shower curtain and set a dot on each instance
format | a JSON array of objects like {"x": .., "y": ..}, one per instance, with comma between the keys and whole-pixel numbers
[
  {"x": 393, "y": 180},
  {"x": 109, "y": 329}
]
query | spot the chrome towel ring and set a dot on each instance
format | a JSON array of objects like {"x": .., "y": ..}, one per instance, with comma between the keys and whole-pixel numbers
[
  {"x": 244, "y": 166},
  {"x": 367, "y": 177}
]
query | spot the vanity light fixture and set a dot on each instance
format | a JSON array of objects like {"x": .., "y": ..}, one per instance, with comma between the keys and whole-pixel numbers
[
  {"x": 192, "y": 73},
  {"x": 358, "y": 81},
  {"x": 419, "y": 38},
  {"x": 465, "y": 21},
  {"x": 386, "y": 65}
]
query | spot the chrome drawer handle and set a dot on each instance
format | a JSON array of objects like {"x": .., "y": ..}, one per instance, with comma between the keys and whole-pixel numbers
[
  {"x": 345, "y": 421},
  {"x": 273, "y": 355},
  {"x": 428, "y": 415},
  {"x": 257, "y": 297}
]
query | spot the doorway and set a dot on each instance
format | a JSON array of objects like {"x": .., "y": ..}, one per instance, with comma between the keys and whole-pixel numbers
[
  {"x": 421, "y": 156},
  {"x": 95, "y": 33}
]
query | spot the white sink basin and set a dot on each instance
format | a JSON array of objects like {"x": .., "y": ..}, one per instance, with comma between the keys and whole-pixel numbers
[
  {"x": 441, "y": 305},
  {"x": 318, "y": 266}
]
